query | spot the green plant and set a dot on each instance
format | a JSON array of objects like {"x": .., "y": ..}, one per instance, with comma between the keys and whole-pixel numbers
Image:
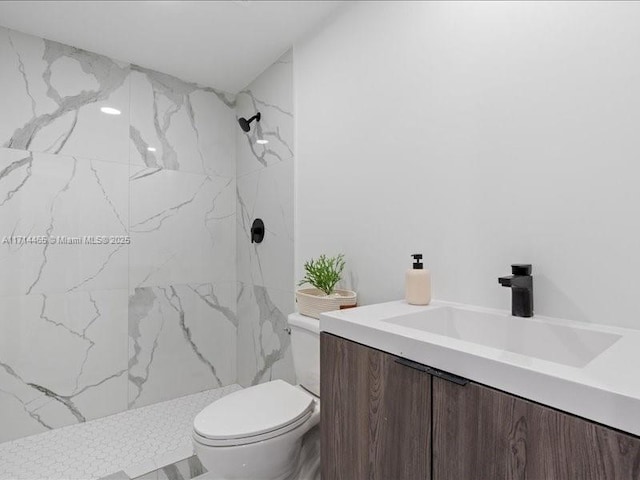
[{"x": 324, "y": 273}]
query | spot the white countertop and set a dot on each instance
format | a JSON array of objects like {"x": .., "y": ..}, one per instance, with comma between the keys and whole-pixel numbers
[{"x": 605, "y": 390}]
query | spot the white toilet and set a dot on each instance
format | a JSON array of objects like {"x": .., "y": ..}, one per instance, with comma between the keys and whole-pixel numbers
[{"x": 256, "y": 433}]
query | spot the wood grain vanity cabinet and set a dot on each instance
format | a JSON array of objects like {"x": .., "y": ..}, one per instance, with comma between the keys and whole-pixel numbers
[
  {"x": 382, "y": 419},
  {"x": 375, "y": 414},
  {"x": 482, "y": 433}
]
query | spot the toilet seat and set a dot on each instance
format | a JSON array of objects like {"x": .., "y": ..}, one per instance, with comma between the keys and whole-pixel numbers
[
  {"x": 252, "y": 415},
  {"x": 230, "y": 442}
]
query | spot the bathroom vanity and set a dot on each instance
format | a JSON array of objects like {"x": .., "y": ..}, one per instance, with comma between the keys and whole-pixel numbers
[{"x": 406, "y": 394}]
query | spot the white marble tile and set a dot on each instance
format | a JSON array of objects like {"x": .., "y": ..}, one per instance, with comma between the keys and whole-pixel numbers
[
  {"x": 266, "y": 194},
  {"x": 188, "y": 127},
  {"x": 265, "y": 190},
  {"x": 146, "y": 469},
  {"x": 63, "y": 359},
  {"x": 182, "y": 340},
  {"x": 65, "y": 171},
  {"x": 108, "y": 445},
  {"x": 271, "y": 94},
  {"x": 181, "y": 228},
  {"x": 184, "y": 470},
  {"x": 217, "y": 122},
  {"x": 186, "y": 467},
  {"x": 55, "y": 96},
  {"x": 53, "y": 195},
  {"x": 264, "y": 346}
]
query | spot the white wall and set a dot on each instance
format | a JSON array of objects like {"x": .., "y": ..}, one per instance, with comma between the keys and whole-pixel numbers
[{"x": 480, "y": 134}]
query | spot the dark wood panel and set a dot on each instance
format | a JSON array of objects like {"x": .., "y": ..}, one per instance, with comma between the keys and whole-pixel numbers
[
  {"x": 344, "y": 396},
  {"x": 480, "y": 433},
  {"x": 400, "y": 420},
  {"x": 375, "y": 415}
]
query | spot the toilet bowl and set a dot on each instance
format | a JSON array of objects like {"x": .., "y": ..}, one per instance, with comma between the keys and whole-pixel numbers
[{"x": 256, "y": 433}]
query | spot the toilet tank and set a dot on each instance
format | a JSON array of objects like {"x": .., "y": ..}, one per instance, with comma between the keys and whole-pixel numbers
[{"x": 305, "y": 346}]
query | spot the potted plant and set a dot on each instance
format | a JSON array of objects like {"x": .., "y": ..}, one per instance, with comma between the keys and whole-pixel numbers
[{"x": 323, "y": 274}]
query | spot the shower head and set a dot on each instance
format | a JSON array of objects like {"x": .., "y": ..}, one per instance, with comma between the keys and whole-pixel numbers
[{"x": 245, "y": 124}]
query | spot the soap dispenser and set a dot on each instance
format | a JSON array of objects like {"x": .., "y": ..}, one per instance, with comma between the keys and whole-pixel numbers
[{"x": 418, "y": 283}]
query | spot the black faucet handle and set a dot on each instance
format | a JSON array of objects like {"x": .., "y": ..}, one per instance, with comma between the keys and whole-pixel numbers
[{"x": 521, "y": 269}]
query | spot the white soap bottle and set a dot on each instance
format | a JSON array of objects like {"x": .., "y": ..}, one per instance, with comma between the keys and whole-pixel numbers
[{"x": 418, "y": 283}]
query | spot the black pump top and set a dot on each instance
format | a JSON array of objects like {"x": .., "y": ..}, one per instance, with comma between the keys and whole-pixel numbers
[
  {"x": 521, "y": 269},
  {"x": 417, "y": 265}
]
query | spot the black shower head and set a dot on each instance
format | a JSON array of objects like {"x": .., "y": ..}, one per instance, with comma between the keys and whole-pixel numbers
[{"x": 245, "y": 124}]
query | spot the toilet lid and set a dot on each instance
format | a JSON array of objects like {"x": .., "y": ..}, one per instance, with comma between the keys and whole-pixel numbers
[{"x": 253, "y": 411}]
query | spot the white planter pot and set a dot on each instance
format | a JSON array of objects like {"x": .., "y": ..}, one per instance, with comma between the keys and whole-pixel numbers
[{"x": 312, "y": 302}]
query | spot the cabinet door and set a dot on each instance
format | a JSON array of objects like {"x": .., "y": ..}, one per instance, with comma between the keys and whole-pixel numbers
[
  {"x": 375, "y": 414},
  {"x": 484, "y": 434}
]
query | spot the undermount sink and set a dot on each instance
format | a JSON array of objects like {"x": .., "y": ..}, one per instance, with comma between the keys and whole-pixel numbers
[{"x": 564, "y": 344}]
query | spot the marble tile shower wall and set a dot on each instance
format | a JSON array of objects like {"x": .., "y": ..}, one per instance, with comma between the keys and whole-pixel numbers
[
  {"x": 88, "y": 330},
  {"x": 265, "y": 190}
]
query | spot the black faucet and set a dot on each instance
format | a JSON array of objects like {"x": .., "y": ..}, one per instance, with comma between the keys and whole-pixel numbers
[{"x": 521, "y": 285}]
